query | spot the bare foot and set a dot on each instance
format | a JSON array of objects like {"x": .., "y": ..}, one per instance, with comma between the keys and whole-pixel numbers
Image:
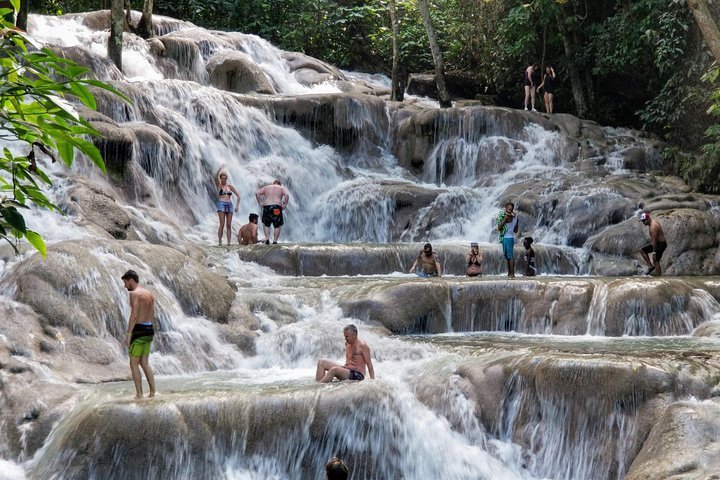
[
  {"x": 151, "y": 394},
  {"x": 138, "y": 397}
]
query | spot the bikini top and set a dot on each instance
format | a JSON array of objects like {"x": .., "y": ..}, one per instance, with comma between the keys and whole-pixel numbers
[{"x": 224, "y": 192}]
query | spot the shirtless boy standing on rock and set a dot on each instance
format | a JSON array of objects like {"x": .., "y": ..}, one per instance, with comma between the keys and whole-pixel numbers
[
  {"x": 357, "y": 358},
  {"x": 140, "y": 332}
]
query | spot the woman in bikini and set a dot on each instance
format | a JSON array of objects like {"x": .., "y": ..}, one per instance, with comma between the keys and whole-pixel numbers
[
  {"x": 225, "y": 205},
  {"x": 474, "y": 261}
]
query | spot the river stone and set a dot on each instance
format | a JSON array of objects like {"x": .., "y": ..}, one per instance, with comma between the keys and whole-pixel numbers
[
  {"x": 300, "y": 61},
  {"x": 237, "y": 72},
  {"x": 94, "y": 204},
  {"x": 683, "y": 446},
  {"x": 116, "y": 145}
]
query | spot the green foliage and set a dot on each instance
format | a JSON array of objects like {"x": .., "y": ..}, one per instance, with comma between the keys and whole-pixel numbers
[{"x": 37, "y": 119}]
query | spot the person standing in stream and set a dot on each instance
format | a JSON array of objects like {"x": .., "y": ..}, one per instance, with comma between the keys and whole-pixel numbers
[{"x": 274, "y": 200}]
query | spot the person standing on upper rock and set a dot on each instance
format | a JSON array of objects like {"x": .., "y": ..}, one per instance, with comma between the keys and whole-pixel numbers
[
  {"x": 507, "y": 227},
  {"x": 273, "y": 199},
  {"x": 656, "y": 247},
  {"x": 531, "y": 79},
  {"x": 548, "y": 87},
  {"x": 357, "y": 360},
  {"x": 140, "y": 332}
]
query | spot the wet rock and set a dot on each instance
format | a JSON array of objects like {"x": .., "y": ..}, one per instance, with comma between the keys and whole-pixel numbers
[
  {"x": 94, "y": 204},
  {"x": 237, "y": 72},
  {"x": 300, "y": 62},
  {"x": 683, "y": 445}
]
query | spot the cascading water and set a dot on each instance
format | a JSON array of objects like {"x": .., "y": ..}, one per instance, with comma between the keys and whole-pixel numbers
[{"x": 237, "y": 342}]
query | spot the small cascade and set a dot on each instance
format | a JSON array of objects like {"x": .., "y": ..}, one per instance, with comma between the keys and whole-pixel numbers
[{"x": 597, "y": 310}]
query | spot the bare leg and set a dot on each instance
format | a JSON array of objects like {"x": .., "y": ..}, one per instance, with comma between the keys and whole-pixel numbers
[
  {"x": 341, "y": 373},
  {"x": 276, "y": 234},
  {"x": 646, "y": 257},
  {"x": 221, "y": 219},
  {"x": 137, "y": 380},
  {"x": 266, "y": 230},
  {"x": 511, "y": 268},
  {"x": 148, "y": 374},
  {"x": 550, "y": 102},
  {"x": 658, "y": 270},
  {"x": 527, "y": 96},
  {"x": 532, "y": 97},
  {"x": 228, "y": 223},
  {"x": 322, "y": 367}
]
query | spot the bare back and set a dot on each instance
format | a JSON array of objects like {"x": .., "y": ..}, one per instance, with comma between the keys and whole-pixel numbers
[
  {"x": 248, "y": 234},
  {"x": 656, "y": 232},
  {"x": 142, "y": 305},
  {"x": 273, "y": 195}
]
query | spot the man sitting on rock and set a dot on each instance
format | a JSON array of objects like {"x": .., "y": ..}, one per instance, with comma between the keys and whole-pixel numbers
[
  {"x": 357, "y": 358},
  {"x": 656, "y": 247}
]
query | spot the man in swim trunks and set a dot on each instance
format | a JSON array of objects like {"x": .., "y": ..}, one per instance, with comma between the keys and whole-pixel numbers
[
  {"x": 248, "y": 232},
  {"x": 140, "y": 332},
  {"x": 656, "y": 247},
  {"x": 357, "y": 359},
  {"x": 428, "y": 262},
  {"x": 273, "y": 199}
]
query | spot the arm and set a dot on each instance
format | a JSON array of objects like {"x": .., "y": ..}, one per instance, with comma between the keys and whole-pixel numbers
[
  {"x": 368, "y": 361},
  {"x": 259, "y": 194},
  {"x": 414, "y": 265},
  {"x": 134, "y": 300},
  {"x": 285, "y": 199},
  {"x": 438, "y": 266},
  {"x": 237, "y": 203}
]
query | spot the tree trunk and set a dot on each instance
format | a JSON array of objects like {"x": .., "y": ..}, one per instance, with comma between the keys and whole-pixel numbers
[
  {"x": 573, "y": 73},
  {"x": 128, "y": 14},
  {"x": 397, "y": 92},
  {"x": 23, "y": 15},
  {"x": 145, "y": 28},
  {"x": 707, "y": 25},
  {"x": 443, "y": 94},
  {"x": 117, "y": 24}
]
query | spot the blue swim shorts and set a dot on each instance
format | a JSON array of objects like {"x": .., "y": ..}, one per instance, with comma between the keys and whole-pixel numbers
[{"x": 508, "y": 246}]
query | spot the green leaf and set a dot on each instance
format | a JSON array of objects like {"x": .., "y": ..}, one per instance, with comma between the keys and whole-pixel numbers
[
  {"x": 36, "y": 241},
  {"x": 13, "y": 218},
  {"x": 15, "y": 4}
]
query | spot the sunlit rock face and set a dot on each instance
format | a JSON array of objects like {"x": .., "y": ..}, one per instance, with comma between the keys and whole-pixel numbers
[{"x": 682, "y": 445}]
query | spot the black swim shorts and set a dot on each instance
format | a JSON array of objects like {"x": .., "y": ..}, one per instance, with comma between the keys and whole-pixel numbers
[
  {"x": 661, "y": 246},
  {"x": 355, "y": 375},
  {"x": 272, "y": 214}
]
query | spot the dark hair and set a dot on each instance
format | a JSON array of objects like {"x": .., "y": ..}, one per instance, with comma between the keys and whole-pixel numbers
[
  {"x": 511, "y": 204},
  {"x": 426, "y": 246},
  {"x": 352, "y": 328},
  {"x": 529, "y": 240},
  {"x": 336, "y": 469},
  {"x": 277, "y": 182},
  {"x": 130, "y": 275},
  {"x": 253, "y": 216}
]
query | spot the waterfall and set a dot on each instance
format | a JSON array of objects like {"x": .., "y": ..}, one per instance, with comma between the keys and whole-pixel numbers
[{"x": 477, "y": 378}]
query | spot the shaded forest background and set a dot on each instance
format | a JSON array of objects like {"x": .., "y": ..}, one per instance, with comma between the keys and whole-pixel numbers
[{"x": 639, "y": 63}]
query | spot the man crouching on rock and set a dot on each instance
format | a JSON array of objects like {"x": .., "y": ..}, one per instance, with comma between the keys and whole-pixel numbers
[
  {"x": 357, "y": 358},
  {"x": 140, "y": 332}
]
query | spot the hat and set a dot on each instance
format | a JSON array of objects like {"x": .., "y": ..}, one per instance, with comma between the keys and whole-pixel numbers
[{"x": 644, "y": 216}]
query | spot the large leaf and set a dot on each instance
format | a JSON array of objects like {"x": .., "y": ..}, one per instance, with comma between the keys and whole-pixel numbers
[
  {"x": 36, "y": 241},
  {"x": 13, "y": 218}
]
